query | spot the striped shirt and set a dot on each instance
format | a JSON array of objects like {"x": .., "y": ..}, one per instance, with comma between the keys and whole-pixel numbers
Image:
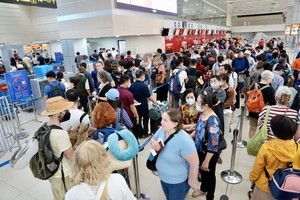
[{"x": 276, "y": 110}]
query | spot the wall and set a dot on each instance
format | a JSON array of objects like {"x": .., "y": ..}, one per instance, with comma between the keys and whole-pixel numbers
[
  {"x": 257, "y": 20},
  {"x": 106, "y": 43},
  {"x": 15, "y": 23},
  {"x": 144, "y": 44},
  {"x": 258, "y": 28},
  {"x": 45, "y": 24},
  {"x": 54, "y": 46},
  {"x": 81, "y": 46}
]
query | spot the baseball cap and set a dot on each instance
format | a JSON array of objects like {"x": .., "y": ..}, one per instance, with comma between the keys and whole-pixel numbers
[
  {"x": 247, "y": 52},
  {"x": 113, "y": 94}
]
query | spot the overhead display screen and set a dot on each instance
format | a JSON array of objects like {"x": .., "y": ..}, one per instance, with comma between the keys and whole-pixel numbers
[
  {"x": 168, "y": 7},
  {"x": 38, "y": 3}
]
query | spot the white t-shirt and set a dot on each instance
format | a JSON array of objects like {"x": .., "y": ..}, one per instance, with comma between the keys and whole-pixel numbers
[
  {"x": 60, "y": 142},
  {"x": 232, "y": 77},
  {"x": 182, "y": 76},
  {"x": 74, "y": 120},
  {"x": 116, "y": 186}
]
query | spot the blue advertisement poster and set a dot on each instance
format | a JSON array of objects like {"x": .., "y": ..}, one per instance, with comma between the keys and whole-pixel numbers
[{"x": 18, "y": 85}]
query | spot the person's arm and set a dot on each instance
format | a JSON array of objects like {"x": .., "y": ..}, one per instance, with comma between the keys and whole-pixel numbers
[
  {"x": 125, "y": 118},
  {"x": 69, "y": 153},
  {"x": 235, "y": 81},
  {"x": 135, "y": 113},
  {"x": 193, "y": 162},
  {"x": 261, "y": 116},
  {"x": 230, "y": 99},
  {"x": 87, "y": 87},
  {"x": 113, "y": 84},
  {"x": 258, "y": 167},
  {"x": 151, "y": 98}
]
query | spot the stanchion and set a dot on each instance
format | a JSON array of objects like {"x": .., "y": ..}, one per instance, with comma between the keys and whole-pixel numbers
[
  {"x": 230, "y": 176},
  {"x": 22, "y": 134},
  {"x": 241, "y": 143},
  {"x": 139, "y": 195}
]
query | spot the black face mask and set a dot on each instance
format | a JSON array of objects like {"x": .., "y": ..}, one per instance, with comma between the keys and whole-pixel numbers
[{"x": 66, "y": 117}]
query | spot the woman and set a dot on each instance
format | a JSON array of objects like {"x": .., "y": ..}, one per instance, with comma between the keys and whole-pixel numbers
[
  {"x": 209, "y": 124},
  {"x": 91, "y": 174},
  {"x": 73, "y": 81},
  {"x": 160, "y": 79},
  {"x": 268, "y": 96},
  {"x": 104, "y": 118},
  {"x": 229, "y": 101},
  {"x": 188, "y": 111},
  {"x": 123, "y": 120},
  {"x": 273, "y": 154},
  {"x": 104, "y": 86},
  {"x": 177, "y": 163},
  {"x": 166, "y": 64},
  {"x": 282, "y": 97},
  {"x": 60, "y": 79}
]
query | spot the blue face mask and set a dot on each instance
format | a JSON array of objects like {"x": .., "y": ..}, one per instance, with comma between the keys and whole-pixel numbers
[
  {"x": 199, "y": 108},
  {"x": 190, "y": 101}
]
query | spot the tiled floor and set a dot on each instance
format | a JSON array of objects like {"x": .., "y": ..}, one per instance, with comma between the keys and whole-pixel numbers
[{"x": 21, "y": 185}]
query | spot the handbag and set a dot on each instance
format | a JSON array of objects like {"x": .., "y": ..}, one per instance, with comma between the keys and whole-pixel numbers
[
  {"x": 258, "y": 139},
  {"x": 151, "y": 161},
  {"x": 222, "y": 142}
]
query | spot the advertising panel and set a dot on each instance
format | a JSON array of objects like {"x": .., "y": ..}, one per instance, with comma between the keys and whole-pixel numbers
[{"x": 37, "y": 3}]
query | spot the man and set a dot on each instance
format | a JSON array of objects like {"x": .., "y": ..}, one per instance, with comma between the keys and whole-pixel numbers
[
  {"x": 193, "y": 74},
  {"x": 28, "y": 62},
  {"x": 128, "y": 57},
  {"x": 40, "y": 59},
  {"x": 78, "y": 59},
  {"x": 99, "y": 67},
  {"x": 142, "y": 94},
  {"x": 84, "y": 89},
  {"x": 56, "y": 108},
  {"x": 288, "y": 72},
  {"x": 126, "y": 97},
  {"x": 95, "y": 56},
  {"x": 76, "y": 116},
  {"x": 20, "y": 61},
  {"x": 250, "y": 59},
  {"x": 114, "y": 53},
  {"x": 89, "y": 77},
  {"x": 296, "y": 68},
  {"x": 54, "y": 88},
  {"x": 124, "y": 68},
  {"x": 220, "y": 94},
  {"x": 278, "y": 79},
  {"x": 34, "y": 59},
  {"x": 258, "y": 50},
  {"x": 182, "y": 78}
]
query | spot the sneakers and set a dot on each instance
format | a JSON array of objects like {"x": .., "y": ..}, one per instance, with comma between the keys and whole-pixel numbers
[{"x": 198, "y": 193}]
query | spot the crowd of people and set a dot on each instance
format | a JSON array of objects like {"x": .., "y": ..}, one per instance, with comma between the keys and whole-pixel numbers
[{"x": 211, "y": 83}]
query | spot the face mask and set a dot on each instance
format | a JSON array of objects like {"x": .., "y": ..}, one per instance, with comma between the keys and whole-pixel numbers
[
  {"x": 66, "y": 117},
  {"x": 215, "y": 85},
  {"x": 129, "y": 85},
  {"x": 190, "y": 101},
  {"x": 199, "y": 108}
]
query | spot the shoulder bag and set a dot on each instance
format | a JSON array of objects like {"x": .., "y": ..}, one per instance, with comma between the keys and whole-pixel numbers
[
  {"x": 151, "y": 161},
  {"x": 258, "y": 139}
]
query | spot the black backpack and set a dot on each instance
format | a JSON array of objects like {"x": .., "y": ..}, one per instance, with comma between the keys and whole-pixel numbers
[
  {"x": 192, "y": 78},
  {"x": 57, "y": 91},
  {"x": 44, "y": 164},
  {"x": 296, "y": 103}
]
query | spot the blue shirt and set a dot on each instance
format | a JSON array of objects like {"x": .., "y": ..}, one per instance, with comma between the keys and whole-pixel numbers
[
  {"x": 140, "y": 93},
  {"x": 48, "y": 89},
  {"x": 213, "y": 131},
  {"x": 171, "y": 165}
]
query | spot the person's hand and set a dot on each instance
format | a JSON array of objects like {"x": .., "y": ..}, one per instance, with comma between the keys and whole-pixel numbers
[
  {"x": 193, "y": 183},
  {"x": 69, "y": 129},
  {"x": 137, "y": 120},
  {"x": 204, "y": 166},
  {"x": 154, "y": 144}
]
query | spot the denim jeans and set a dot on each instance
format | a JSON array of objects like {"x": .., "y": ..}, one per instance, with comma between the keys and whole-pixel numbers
[
  {"x": 176, "y": 99},
  {"x": 175, "y": 191}
]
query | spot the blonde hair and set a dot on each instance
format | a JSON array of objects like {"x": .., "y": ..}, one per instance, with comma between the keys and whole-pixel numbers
[{"x": 90, "y": 164}]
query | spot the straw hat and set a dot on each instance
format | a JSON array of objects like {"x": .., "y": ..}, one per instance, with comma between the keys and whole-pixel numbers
[{"x": 56, "y": 105}]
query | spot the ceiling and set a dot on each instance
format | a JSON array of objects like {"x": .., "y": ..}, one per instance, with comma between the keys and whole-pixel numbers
[{"x": 203, "y": 9}]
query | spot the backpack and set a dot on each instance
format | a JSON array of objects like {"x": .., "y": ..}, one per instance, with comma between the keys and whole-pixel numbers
[
  {"x": 81, "y": 85},
  {"x": 255, "y": 101},
  {"x": 174, "y": 83},
  {"x": 285, "y": 183},
  {"x": 44, "y": 164},
  {"x": 296, "y": 102},
  {"x": 192, "y": 82},
  {"x": 56, "y": 90}
]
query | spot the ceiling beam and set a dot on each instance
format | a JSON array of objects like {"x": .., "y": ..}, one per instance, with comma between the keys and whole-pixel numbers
[{"x": 213, "y": 5}]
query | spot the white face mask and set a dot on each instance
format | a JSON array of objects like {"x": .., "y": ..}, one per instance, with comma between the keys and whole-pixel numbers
[
  {"x": 129, "y": 85},
  {"x": 199, "y": 108},
  {"x": 190, "y": 101},
  {"x": 215, "y": 85}
]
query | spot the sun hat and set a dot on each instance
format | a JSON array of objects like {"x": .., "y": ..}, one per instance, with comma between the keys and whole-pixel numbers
[
  {"x": 56, "y": 105},
  {"x": 112, "y": 94}
]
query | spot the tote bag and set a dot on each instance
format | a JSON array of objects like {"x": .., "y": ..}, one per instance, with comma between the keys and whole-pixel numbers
[{"x": 258, "y": 139}]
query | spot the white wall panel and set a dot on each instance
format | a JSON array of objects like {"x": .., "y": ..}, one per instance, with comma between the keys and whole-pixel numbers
[{"x": 144, "y": 44}]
